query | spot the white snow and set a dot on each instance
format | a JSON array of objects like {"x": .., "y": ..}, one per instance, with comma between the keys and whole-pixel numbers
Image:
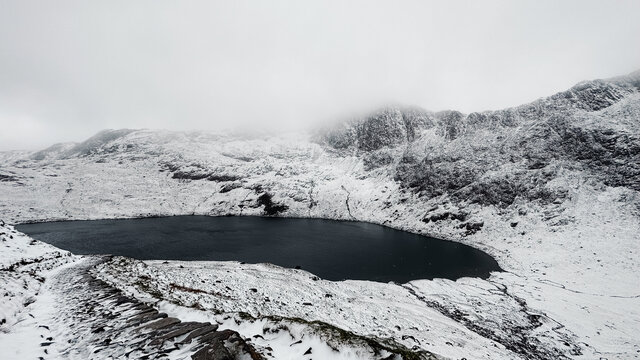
[{"x": 573, "y": 262}]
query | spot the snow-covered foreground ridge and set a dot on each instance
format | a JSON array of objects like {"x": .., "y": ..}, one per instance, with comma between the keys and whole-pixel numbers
[
  {"x": 550, "y": 189},
  {"x": 56, "y": 307}
]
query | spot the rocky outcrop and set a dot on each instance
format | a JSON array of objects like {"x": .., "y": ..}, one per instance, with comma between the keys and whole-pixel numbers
[
  {"x": 388, "y": 127},
  {"x": 195, "y": 171},
  {"x": 114, "y": 325},
  {"x": 271, "y": 208},
  {"x": 451, "y": 124},
  {"x": 9, "y": 178},
  {"x": 495, "y": 157},
  {"x": 391, "y": 127}
]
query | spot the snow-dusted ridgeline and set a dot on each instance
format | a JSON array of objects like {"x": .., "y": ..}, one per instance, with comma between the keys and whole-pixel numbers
[{"x": 550, "y": 189}]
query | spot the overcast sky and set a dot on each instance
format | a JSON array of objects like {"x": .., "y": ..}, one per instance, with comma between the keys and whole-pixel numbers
[{"x": 71, "y": 68}]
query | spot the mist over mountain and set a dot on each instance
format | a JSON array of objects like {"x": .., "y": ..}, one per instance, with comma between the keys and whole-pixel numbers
[
  {"x": 298, "y": 180},
  {"x": 69, "y": 71}
]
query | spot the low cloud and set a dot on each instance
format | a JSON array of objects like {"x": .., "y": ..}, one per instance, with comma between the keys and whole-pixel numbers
[{"x": 71, "y": 68}]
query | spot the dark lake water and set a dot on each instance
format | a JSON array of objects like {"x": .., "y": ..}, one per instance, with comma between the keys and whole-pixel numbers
[{"x": 333, "y": 250}]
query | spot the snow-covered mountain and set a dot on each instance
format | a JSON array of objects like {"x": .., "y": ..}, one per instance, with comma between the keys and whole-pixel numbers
[{"x": 551, "y": 189}]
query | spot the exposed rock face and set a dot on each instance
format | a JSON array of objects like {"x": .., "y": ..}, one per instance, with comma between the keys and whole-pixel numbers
[
  {"x": 598, "y": 94},
  {"x": 612, "y": 154},
  {"x": 494, "y": 157},
  {"x": 116, "y": 325},
  {"x": 270, "y": 208},
  {"x": 8, "y": 178},
  {"x": 450, "y": 124},
  {"x": 384, "y": 128}
]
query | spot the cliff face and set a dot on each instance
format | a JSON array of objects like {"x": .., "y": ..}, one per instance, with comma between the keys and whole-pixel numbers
[
  {"x": 493, "y": 157},
  {"x": 384, "y": 128}
]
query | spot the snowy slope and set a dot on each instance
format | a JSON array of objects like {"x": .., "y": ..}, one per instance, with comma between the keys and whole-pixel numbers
[
  {"x": 54, "y": 308},
  {"x": 550, "y": 189}
]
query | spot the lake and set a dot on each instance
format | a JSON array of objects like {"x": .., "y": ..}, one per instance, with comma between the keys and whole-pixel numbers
[{"x": 332, "y": 250}]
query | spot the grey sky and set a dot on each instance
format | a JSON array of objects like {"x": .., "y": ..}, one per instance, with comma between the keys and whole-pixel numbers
[{"x": 71, "y": 68}]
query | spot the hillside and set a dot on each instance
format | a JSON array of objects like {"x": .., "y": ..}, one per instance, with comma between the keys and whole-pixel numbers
[{"x": 551, "y": 189}]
